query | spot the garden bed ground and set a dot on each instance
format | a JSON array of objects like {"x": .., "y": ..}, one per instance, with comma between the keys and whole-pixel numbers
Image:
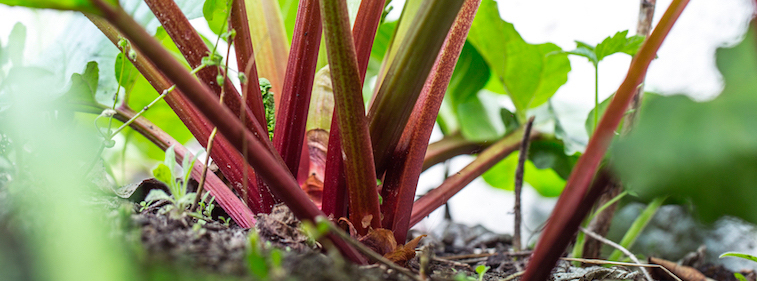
[{"x": 454, "y": 251}]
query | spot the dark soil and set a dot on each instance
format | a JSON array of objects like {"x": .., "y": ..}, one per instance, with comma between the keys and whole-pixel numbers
[{"x": 453, "y": 252}]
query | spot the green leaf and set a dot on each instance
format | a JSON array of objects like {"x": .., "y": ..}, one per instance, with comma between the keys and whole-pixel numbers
[
  {"x": 216, "y": 13},
  {"x": 76, "y": 5},
  {"x": 702, "y": 152},
  {"x": 531, "y": 74},
  {"x": 163, "y": 174},
  {"x": 739, "y": 255},
  {"x": 551, "y": 154},
  {"x": 157, "y": 194},
  {"x": 740, "y": 276},
  {"x": 545, "y": 181},
  {"x": 618, "y": 43},
  {"x": 126, "y": 73},
  {"x": 83, "y": 87}
]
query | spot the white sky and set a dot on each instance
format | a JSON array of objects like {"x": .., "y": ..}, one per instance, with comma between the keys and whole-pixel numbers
[{"x": 685, "y": 65}]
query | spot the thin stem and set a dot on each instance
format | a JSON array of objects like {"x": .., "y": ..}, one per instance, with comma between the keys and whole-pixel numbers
[
  {"x": 638, "y": 226},
  {"x": 618, "y": 247},
  {"x": 450, "y": 146},
  {"x": 519, "y": 171},
  {"x": 551, "y": 244},
  {"x": 596, "y": 95}
]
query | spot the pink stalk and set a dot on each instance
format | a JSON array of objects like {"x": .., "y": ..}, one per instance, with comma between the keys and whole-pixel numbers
[
  {"x": 194, "y": 49},
  {"x": 245, "y": 56},
  {"x": 353, "y": 125},
  {"x": 391, "y": 108},
  {"x": 452, "y": 185},
  {"x": 298, "y": 84},
  {"x": 197, "y": 124},
  {"x": 335, "y": 185},
  {"x": 402, "y": 175},
  {"x": 448, "y": 147},
  {"x": 552, "y": 244},
  {"x": 269, "y": 166}
]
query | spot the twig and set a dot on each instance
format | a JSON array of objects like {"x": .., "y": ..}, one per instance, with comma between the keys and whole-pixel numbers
[
  {"x": 616, "y": 246},
  {"x": 512, "y": 276},
  {"x": 365, "y": 250},
  {"x": 523, "y": 155},
  {"x": 603, "y": 262}
]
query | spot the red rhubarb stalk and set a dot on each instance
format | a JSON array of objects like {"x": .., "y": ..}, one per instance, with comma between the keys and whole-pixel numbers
[
  {"x": 402, "y": 175},
  {"x": 269, "y": 166},
  {"x": 551, "y": 244},
  {"x": 395, "y": 99},
  {"x": 245, "y": 57},
  {"x": 353, "y": 125}
]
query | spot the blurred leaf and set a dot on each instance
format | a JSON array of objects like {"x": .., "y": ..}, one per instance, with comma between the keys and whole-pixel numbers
[
  {"x": 551, "y": 154},
  {"x": 288, "y": 10},
  {"x": 478, "y": 120},
  {"x": 618, "y": 43},
  {"x": 509, "y": 119},
  {"x": 589, "y": 124},
  {"x": 531, "y": 74},
  {"x": 126, "y": 73},
  {"x": 739, "y": 255},
  {"x": 382, "y": 40},
  {"x": 83, "y": 87},
  {"x": 76, "y": 5},
  {"x": 545, "y": 181},
  {"x": 157, "y": 194},
  {"x": 216, "y": 13},
  {"x": 700, "y": 151},
  {"x": 163, "y": 174}
]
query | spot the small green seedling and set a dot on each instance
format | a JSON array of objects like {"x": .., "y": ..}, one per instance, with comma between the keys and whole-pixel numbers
[
  {"x": 481, "y": 270},
  {"x": 167, "y": 173},
  {"x": 264, "y": 262},
  {"x": 739, "y": 255}
]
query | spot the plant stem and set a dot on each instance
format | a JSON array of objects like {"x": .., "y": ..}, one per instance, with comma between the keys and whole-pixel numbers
[
  {"x": 298, "y": 83},
  {"x": 637, "y": 227},
  {"x": 403, "y": 173},
  {"x": 394, "y": 102},
  {"x": 268, "y": 165},
  {"x": 334, "y": 183},
  {"x": 450, "y": 146},
  {"x": 519, "y": 171},
  {"x": 246, "y": 55},
  {"x": 485, "y": 160},
  {"x": 197, "y": 123},
  {"x": 270, "y": 40},
  {"x": 353, "y": 126},
  {"x": 551, "y": 244},
  {"x": 194, "y": 49},
  {"x": 596, "y": 95}
]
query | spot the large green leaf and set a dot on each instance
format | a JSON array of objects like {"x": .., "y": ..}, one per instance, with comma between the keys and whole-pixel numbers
[
  {"x": 530, "y": 73},
  {"x": 288, "y": 10},
  {"x": 704, "y": 152},
  {"x": 477, "y": 121},
  {"x": 76, "y": 5},
  {"x": 545, "y": 181}
]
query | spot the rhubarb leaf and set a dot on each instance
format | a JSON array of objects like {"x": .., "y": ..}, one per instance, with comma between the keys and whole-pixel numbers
[
  {"x": 700, "y": 151},
  {"x": 546, "y": 181},
  {"x": 530, "y": 74},
  {"x": 216, "y": 13},
  {"x": 618, "y": 43}
]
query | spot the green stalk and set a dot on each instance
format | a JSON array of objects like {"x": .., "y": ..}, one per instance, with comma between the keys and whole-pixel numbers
[
  {"x": 637, "y": 227},
  {"x": 399, "y": 91},
  {"x": 596, "y": 95},
  {"x": 353, "y": 126}
]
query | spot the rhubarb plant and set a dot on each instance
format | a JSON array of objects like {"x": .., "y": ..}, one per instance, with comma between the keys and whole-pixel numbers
[{"x": 444, "y": 61}]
